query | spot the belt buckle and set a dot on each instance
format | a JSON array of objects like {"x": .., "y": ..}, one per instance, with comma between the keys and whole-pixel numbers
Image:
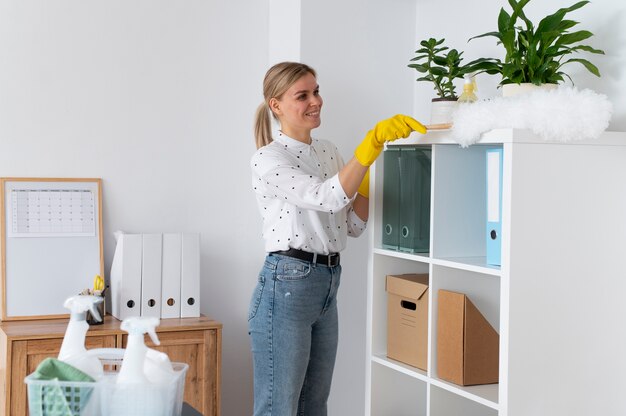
[{"x": 330, "y": 259}]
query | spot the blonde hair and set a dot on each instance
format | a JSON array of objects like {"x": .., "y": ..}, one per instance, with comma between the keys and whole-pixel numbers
[{"x": 278, "y": 79}]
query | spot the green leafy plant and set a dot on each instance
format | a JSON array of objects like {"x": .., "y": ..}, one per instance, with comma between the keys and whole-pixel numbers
[
  {"x": 442, "y": 66},
  {"x": 538, "y": 54}
]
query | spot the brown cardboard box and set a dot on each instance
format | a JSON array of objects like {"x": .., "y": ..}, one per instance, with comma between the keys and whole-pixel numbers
[
  {"x": 467, "y": 345},
  {"x": 407, "y": 319}
]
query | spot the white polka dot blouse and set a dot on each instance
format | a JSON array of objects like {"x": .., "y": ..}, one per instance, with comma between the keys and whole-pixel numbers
[{"x": 299, "y": 196}]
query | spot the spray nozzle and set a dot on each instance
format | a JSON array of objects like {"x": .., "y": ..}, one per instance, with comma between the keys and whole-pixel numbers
[
  {"x": 80, "y": 304},
  {"x": 142, "y": 325}
]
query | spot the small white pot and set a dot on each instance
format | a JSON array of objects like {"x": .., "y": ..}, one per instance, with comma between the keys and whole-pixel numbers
[
  {"x": 509, "y": 90},
  {"x": 441, "y": 110}
]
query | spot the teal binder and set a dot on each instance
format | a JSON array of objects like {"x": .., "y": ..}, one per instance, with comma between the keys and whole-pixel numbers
[
  {"x": 415, "y": 171},
  {"x": 391, "y": 198},
  {"x": 406, "y": 198}
]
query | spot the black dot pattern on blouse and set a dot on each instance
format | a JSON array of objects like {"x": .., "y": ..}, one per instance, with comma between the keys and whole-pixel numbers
[{"x": 299, "y": 177}]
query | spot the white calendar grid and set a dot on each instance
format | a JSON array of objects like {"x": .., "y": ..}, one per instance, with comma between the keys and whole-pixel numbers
[{"x": 52, "y": 213}]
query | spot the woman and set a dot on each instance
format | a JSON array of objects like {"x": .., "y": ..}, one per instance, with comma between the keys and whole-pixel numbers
[{"x": 308, "y": 199}]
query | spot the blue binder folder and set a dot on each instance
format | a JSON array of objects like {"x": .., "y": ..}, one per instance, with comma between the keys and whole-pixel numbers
[{"x": 494, "y": 206}]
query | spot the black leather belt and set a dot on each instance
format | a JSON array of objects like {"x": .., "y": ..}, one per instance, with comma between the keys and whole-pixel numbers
[{"x": 330, "y": 260}]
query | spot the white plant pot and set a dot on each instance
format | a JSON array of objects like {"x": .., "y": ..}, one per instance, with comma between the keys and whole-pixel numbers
[
  {"x": 441, "y": 110},
  {"x": 510, "y": 90}
]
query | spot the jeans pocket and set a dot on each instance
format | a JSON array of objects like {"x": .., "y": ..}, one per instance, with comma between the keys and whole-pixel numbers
[
  {"x": 256, "y": 297},
  {"x": 293, "y": 270}
]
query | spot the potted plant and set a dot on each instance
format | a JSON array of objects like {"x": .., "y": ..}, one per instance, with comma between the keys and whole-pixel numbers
[
  {"x": 441, "y": 66},
  {"x": 535, "y": 55}
]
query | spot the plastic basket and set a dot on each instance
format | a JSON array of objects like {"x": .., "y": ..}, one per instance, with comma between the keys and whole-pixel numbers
[
  {"x": 61, "y": 398},
  {"x": 105, "y": 397}
]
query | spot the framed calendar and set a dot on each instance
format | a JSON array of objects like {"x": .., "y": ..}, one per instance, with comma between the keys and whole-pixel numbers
[{"x": 50, "y": 243}]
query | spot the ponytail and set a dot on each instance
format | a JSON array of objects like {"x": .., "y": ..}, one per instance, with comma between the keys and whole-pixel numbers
[{"x": 262, "y": 126}]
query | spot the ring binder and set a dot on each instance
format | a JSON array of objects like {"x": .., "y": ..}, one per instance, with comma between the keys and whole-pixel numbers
[
  {"x": 494, "y": 206},
  {"x": 406, "y": 199}
]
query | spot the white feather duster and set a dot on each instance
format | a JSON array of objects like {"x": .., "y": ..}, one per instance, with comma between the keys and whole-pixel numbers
[{"x": 562, "y": 114}]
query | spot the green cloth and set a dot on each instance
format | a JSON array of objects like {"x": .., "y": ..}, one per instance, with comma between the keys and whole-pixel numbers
[
  {"x": 53, "y": 398},
  {"x": 53, "y": 369}
]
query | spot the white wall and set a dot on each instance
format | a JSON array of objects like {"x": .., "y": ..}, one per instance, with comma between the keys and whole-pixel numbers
[
  {"x": 359, "y": 50},
  {"x": 284, "y": 31},
  {"x": 462, "y": 20},
  {"x": 157, "y": 98}
]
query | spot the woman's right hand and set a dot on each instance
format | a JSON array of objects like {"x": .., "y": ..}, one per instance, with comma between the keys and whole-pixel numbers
[{"x": 398, "y": 126}]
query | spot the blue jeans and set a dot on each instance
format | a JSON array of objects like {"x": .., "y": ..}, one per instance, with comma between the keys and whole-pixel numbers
[{"x": 294, "y": 332}]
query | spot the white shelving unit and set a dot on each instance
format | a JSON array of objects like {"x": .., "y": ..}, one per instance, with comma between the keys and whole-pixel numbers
[{"x": 556, "y": 301}]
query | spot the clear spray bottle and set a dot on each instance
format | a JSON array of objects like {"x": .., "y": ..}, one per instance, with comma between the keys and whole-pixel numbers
[{"x": 73, "y": 349}]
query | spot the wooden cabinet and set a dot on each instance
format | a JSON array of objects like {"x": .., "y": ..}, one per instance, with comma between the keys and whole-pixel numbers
[
  {"x": 195, "y": 341},
  {"x": 560, "y": 281}
]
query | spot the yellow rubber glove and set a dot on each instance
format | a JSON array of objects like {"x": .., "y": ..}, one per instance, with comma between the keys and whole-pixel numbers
[
  {"x": 364, "y": 187},
  {"x": 387, "y": 130}
]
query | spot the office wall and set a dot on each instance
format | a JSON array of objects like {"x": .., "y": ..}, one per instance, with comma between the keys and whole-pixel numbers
[
  {"x": 359, "y": 50},
  {"x": 156, "y": 97},
  {"x": 462, "y": 20}
]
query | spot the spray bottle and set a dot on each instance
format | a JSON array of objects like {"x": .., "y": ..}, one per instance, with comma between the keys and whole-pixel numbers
[
  {"x": 136, "y": 392},
  {"x": 142, "y": 364},
  {"x": 469, "y": 90},
  {"x": 73, "y": 349}
]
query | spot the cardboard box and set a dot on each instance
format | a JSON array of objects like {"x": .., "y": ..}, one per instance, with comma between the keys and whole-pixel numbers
[
  {"x": 467, "y": 345},
  {"x": 407, "y": 319}
]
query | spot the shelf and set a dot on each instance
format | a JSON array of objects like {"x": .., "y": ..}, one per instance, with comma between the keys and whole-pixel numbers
[
  {"x": 403, "y": 368},
  {"x": 421, "y": 257},
  {"x": 444, "y": 402},
  {"x": 472, "y": 264},
  {"x": 456, "y": 262},
  {"x": 486, "y": 394},
  {"x": 546, "y": 188},
  {"x": 500, "y": 136},
  {"x": 443, "y": 136}
]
